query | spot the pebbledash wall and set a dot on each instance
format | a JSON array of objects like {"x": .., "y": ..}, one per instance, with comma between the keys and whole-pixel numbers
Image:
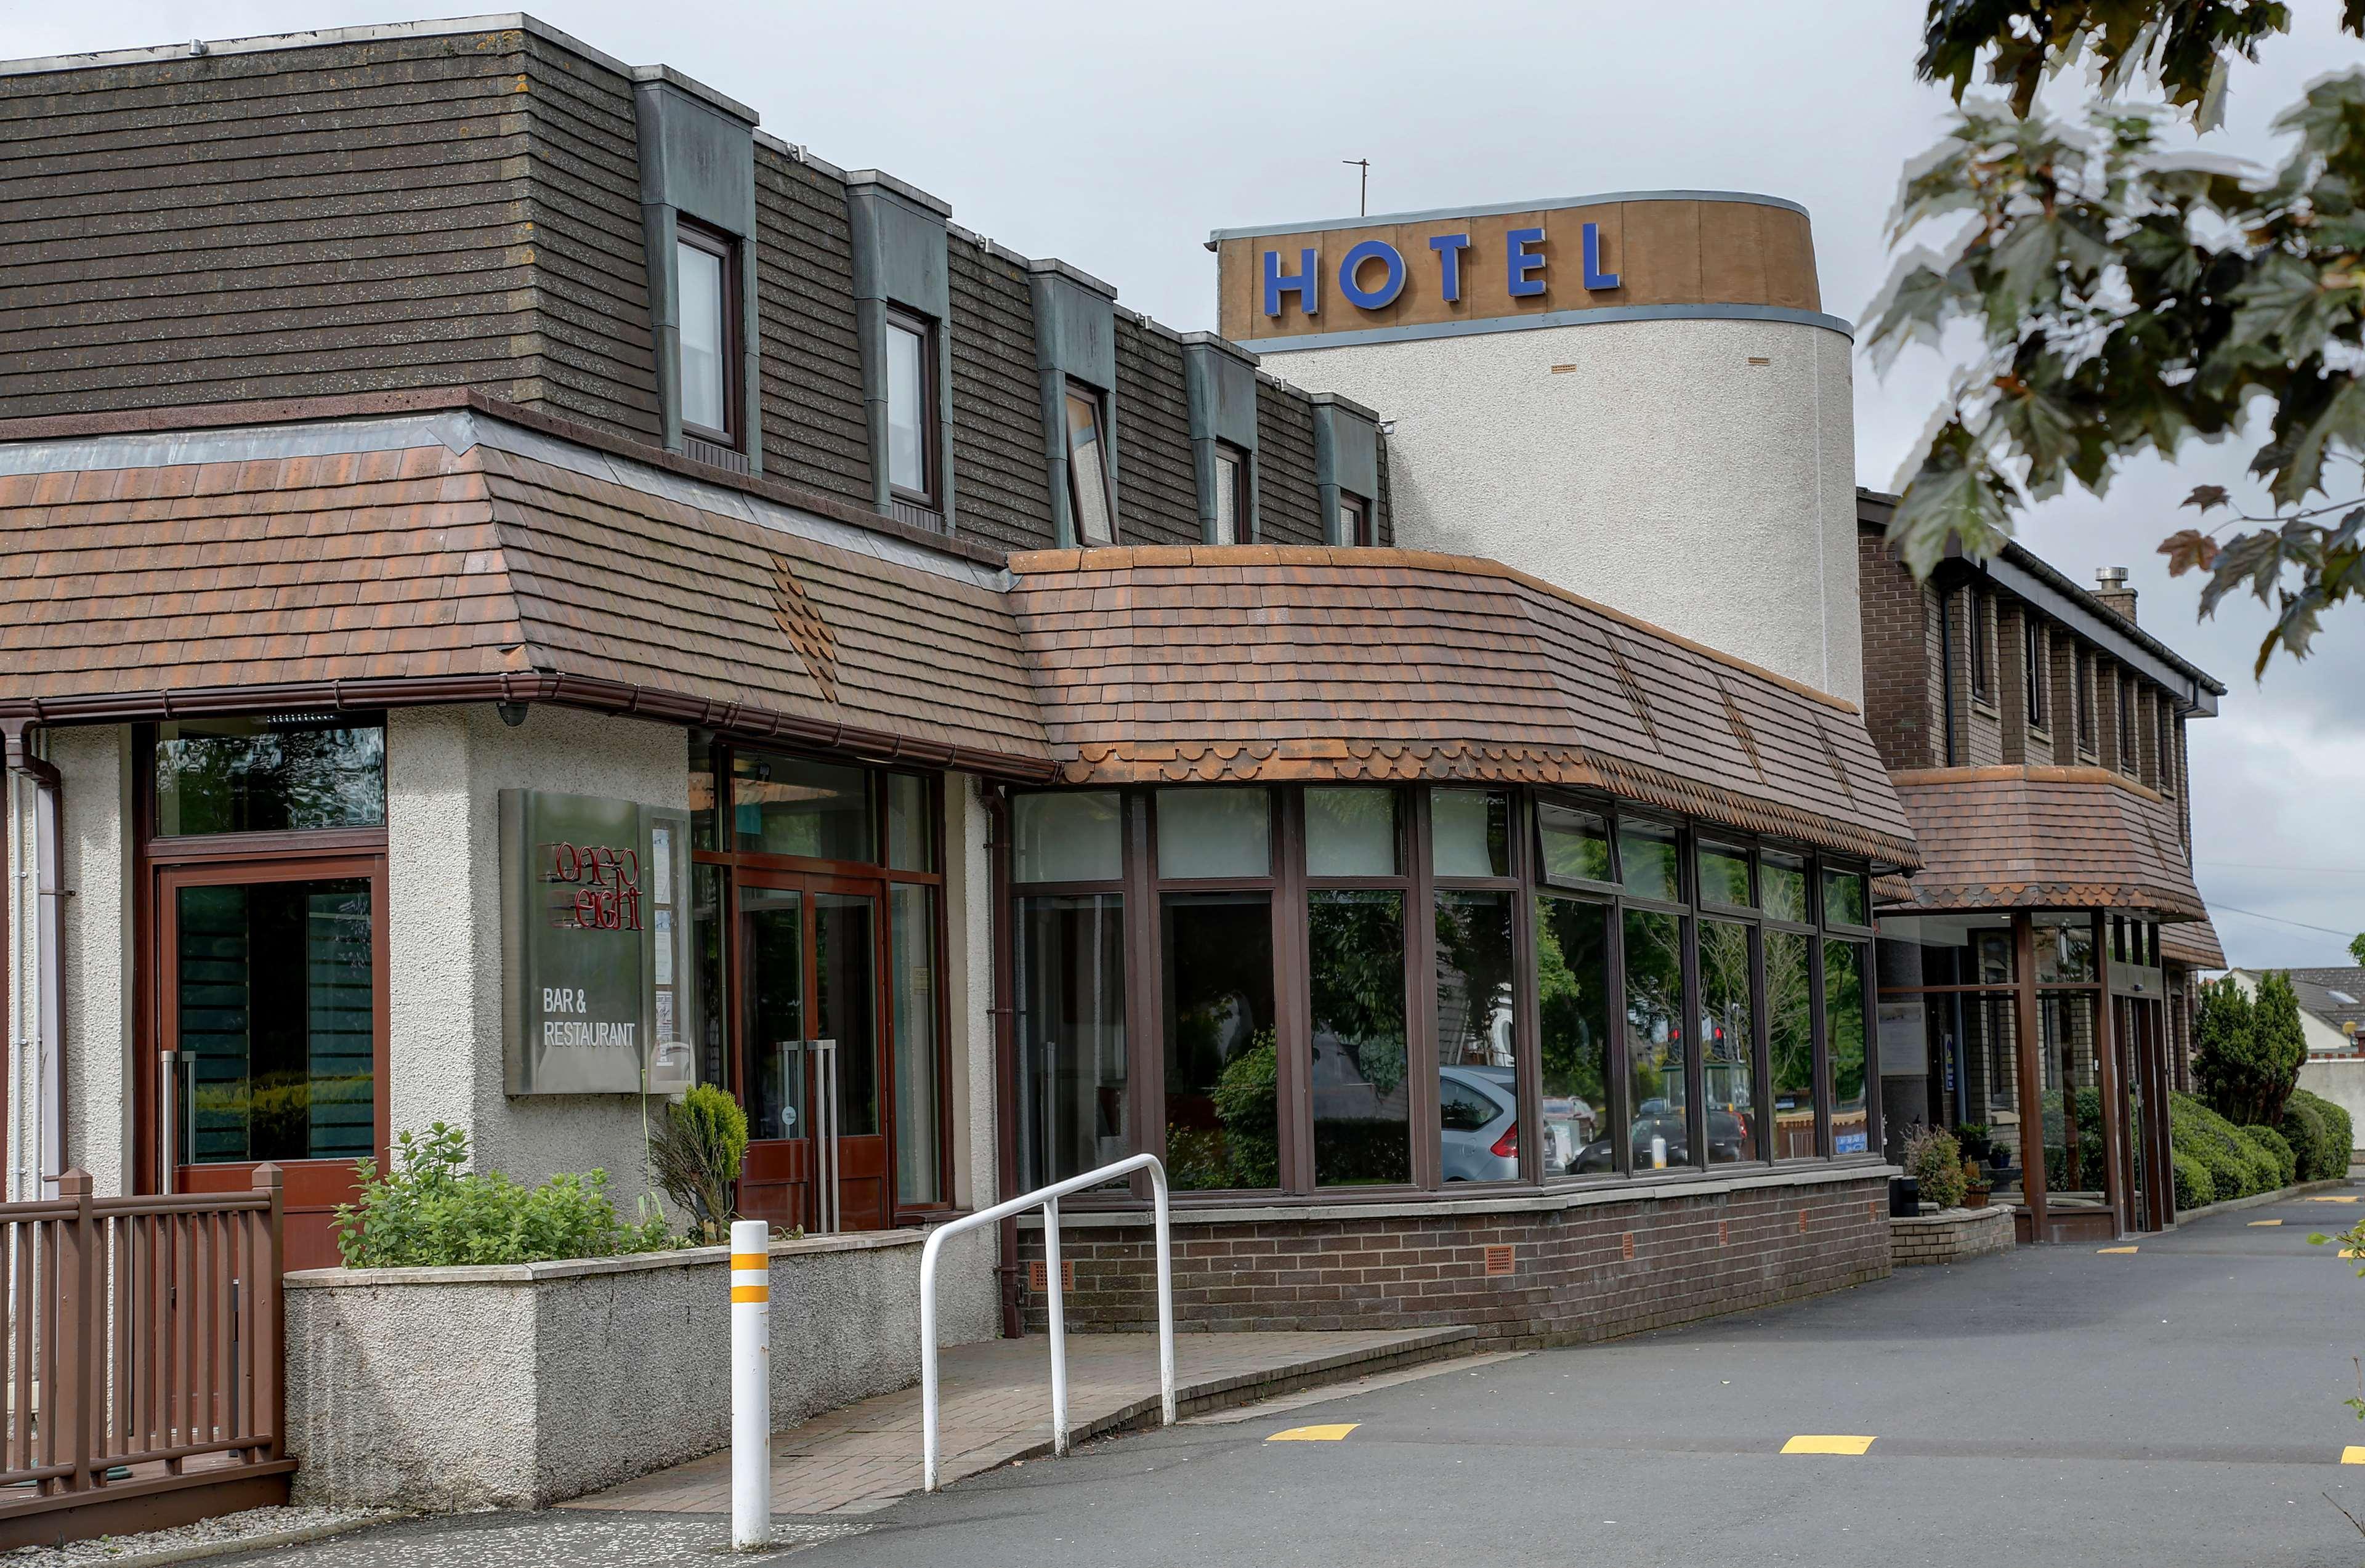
[{"x": 1558, "y": 1268}]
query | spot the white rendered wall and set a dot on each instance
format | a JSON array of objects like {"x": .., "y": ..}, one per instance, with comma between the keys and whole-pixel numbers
[
  {"x": 446, "y": 767},
  {"x": 95, "y": 924},
  {"x": 1660, "y": 473}
]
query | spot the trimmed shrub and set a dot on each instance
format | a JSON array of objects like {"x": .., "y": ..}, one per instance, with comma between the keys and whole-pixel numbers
[
  {"x": 2193, "y": 1188},
  {"x": 2271, "y": 1144},
  {"x": 2309, "y": 1138},
  {"x": 2247, "y": 1053},
  {"x": 1935, "y": 1160},
  {"x": 2339, "y": 1134},
  {"x": 2236, "y": 1169},
  {"x": 427, "y": 1210}
]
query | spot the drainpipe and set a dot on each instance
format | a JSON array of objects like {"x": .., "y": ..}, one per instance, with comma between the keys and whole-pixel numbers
[
  {"x": 1005, "y": 1053},
  {"x": 37, "y": 956}
]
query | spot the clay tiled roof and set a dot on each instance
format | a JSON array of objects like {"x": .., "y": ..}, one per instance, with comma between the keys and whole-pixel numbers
[
  {"x": 136, "y": 588},
  {"x": 2194, "y": 944},
  {"x": 2044, "y": 837},
  {"x": 1277, "y": 663}
]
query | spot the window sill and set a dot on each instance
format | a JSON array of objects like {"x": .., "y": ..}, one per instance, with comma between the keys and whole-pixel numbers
[
  {"x": 1985, "y": 708},
  {"x": 1674, "y": 1184}
]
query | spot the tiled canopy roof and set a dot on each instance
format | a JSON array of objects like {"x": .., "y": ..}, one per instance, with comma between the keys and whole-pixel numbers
[
  {"x": 452, "y": 564},
  {"x": 2032, "y": 837},
  {"x": 1275, "y": 663},
  {"x": 2194, "y": 944},
  {"x": 458, "y": 557}
]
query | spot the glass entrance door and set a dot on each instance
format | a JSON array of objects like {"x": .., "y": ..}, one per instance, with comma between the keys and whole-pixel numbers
[{"x": 809, "y": 1053}]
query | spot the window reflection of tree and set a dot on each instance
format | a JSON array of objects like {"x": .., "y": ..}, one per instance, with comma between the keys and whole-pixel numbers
[
  {"x": 1361, "y": 1114},
  {"x": 1474, "y": 975},
  {"x": 1655, "y": 991}
]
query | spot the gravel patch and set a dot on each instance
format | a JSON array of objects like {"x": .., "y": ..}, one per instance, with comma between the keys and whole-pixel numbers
[
  {"x": 561, "y": 1538},
  {"x": 207, "y": 1537}
]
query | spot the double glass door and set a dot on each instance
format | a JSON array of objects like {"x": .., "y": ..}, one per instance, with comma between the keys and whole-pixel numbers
[{"x": 809, "y": 1065}]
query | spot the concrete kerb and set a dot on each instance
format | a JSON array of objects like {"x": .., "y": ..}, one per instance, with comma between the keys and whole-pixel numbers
[
  {"x": 268, "y": 1541},
  {"x": 2259, "y": 1200}
]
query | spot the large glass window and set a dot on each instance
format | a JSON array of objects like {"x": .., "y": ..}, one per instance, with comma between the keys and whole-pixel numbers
[
  {"x": 1068, "y": 839},
  {"x": 274, "y": 985},
  {"x": 1222, "y": 1061},
  {"x": 1362, "y": 1102},
  {"x": 1478, "y": 1034},
  {"x": 702, "y": 278},
  {"x": 911, "y": 824},
  {"x": 272, "y": 773},
  {"x": 910, "y": 409},
  {"x": 1470, "y": 832},
  {"x": 1573, "y": 1014},
  {"x": 1846, "y": 901},
  {"x": 1724, "y": 875},
  {"x": 792, "y": 806},
  {"x": 1790, "y": 1044},
  {"x": 1214, "y": 832},
  {"x": 1355, "y": 521},
  {"x": 1575, "y": 843},
  {"x": 1844, "y": 1015},
  {"x": 1728, "y": 1036},
  {"x": 1069, "y": 956},
  {"x": 1782, "y": 883},
  {"x": 1656, "y": 1054},
  {"x": 1088, "y": 473}
]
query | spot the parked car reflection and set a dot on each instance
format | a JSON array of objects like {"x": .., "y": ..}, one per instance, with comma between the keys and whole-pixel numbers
[{"x": 1659, "y": 1137}]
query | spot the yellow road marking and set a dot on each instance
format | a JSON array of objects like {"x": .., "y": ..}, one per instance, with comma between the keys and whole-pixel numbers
[
  {"x": 1314, "y": 1434},
  {"x": 2121, "y": 1249},
  {"x": 2352, "y": 1252},
  {"x": 2326, "y": 1198},
  {"x": 2352, "y": 1454},
  {"x": 2259, "y": 1222},
  {"x": 1826, "y": 1443}
]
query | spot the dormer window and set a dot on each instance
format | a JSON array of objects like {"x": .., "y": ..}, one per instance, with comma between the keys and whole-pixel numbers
[
  {"x": 1088, "y": 479},
  {"x": 911, "y": 408},
  {"x": 1355, "y": 521},
  {"x": 705, "y": 269},
  {"x": 1231, "y": 497}
]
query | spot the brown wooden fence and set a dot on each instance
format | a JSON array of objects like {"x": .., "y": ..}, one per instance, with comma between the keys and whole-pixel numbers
[{"x": 142, "y": 1360}]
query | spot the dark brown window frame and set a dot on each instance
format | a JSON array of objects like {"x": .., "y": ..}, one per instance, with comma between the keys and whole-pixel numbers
[
  {"x": 931, "y": 493},
  {"x": 2083, "y": 673},
  {"x": 1364, "y": 532},
  {"x": 1226, "y": 452},
  {"x": 1142, "y": 888},
  {"x": 2037, "y": 677},
  {"x": 1979, "y": 648},
  {"x": 729, "y": 248}
]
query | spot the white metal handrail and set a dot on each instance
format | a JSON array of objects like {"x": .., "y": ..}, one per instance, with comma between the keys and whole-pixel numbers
[{"x": 1047, "y": 1200}]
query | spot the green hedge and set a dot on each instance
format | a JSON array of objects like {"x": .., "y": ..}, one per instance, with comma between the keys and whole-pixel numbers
[
  {"x": 2193, "y": 1188},
  {"x": 2236, "y": 1168},
  {"x": 2272, "y": 1144},
  {"x": 2331, "y": 1162}
]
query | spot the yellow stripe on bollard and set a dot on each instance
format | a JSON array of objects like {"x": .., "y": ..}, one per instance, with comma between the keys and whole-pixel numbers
[
  {"x": 740, "y": 1293},
  {"x": 750, "y": 1261}
]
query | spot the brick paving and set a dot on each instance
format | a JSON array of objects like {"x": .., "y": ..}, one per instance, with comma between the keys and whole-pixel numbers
[{"x": 996, "y": 1407}]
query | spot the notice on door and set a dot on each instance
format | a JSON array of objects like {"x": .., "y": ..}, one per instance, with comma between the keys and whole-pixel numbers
[{"x": 590, "y": 1003}]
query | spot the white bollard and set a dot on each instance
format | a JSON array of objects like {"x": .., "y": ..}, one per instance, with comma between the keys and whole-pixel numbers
[{"x": 751, "y": 1385}]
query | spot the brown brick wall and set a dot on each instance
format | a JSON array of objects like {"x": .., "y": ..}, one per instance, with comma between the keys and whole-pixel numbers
[
  {"x": 1571, "y": 1277},
  {"x": 1898, "y": 699}
]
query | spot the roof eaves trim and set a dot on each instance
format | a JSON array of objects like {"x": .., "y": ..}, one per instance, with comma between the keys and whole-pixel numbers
[{"x": 318, "y": 37}]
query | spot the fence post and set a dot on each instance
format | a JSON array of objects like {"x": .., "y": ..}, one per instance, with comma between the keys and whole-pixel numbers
[
  {"x": 751, "y": 1385},
  {"x": 265, "y": 1351},
  {"x": 68, "y": 1398}
]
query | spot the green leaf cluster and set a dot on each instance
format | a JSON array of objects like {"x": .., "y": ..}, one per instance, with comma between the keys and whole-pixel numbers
[
  {"x": 1935, "y": 1160},
  {"x": 2247, "y": 1055},
  {"x": 430, "y": 1211},
  {"x": 2238, "y": 1167},
  {"x": 2126, "y": 302},
  {"x": 696, "y": 1150}
]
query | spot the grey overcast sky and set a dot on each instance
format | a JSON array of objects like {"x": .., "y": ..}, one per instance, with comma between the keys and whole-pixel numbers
[{"x": 1114, "y": 137}]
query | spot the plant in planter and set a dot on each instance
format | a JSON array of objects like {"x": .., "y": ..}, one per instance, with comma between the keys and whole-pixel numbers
[
  {"x": 1974, "y": 1138},
  {"x": 429, "y": 1211},
  {"x": 1935, "y": 1160},
  {"x": 1976, "y": 1185},
  {"x": 696, "y": 1152}
]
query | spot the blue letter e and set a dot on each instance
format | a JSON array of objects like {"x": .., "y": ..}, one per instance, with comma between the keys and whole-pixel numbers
[
  {"x": 1520, "y": 262},
  {"x": 1306, "y": 284}
]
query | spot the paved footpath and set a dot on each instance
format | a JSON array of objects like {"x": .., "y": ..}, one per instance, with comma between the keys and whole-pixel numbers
[{"x": 2178, "y": 1403}]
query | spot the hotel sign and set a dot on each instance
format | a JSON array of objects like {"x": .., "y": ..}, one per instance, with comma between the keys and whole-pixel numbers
[
  {"x": 1434, "y": 274},
  {"x": 595, "y": 945}
]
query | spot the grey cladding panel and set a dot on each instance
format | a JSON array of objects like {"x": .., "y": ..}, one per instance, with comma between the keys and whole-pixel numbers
[
  {"x": 899, "y": 251},
  {"x": 1346, "y": 449},
  {"x": 1075, "y": 330},
  {"x": 1223, "y": 391},
  {"x": 696, "y": 159}
]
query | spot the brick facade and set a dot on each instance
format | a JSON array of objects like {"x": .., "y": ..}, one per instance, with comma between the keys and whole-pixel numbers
[
  {"x": 1580, "y": 1267},
  {"x": 1950, "y": 1236}
]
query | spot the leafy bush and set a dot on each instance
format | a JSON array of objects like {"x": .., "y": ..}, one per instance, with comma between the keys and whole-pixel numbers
[
  {"x": 2308, "y": 1136},
  {"x": 429, "y": 1211},
  {"x": 2236, "y": 1169},
  {"x": 2247, "y": 1055},
  {"x": 1934, "y": 1158},
  {"x": 2271, "y": 1144},
  {"x": 2339, "y": 1134},
  {"x": 697, "y": 1151},
  {"x": 2195, "y": 1190}
]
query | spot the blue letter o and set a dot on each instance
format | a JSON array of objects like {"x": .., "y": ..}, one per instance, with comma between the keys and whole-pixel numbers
[{"x": 1382, "y": 297}]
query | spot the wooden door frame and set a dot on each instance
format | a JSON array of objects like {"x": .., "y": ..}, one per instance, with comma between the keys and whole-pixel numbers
[{"x": 161, "y": 945}]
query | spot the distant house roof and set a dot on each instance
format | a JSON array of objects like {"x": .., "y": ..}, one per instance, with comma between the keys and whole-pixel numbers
[{"x": 2336, "y": 996}]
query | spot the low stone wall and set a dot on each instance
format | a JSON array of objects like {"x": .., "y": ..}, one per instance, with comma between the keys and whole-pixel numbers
[
  {"x": 1557, "y": 1268},
  {"x": 1950, "y": 1236},
  {"x": 522, "y": 1385}
]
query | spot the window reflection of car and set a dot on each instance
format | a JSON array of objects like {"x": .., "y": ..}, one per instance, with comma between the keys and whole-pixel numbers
[
  {"x": 1478, "y": 1117},
  {"x": 1728, "y": 1139}
]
